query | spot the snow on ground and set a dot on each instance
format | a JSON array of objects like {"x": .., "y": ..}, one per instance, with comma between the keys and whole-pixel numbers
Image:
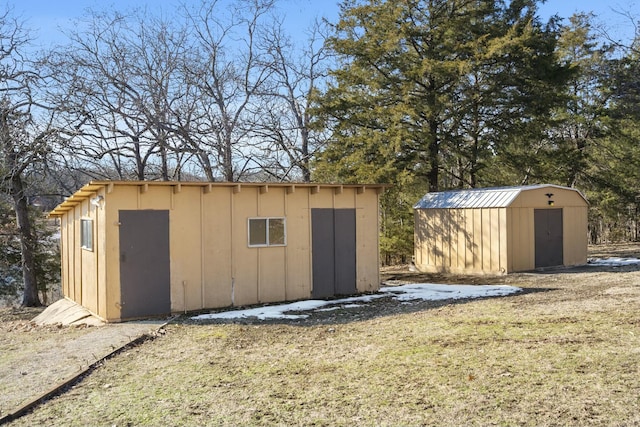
[
  {"x": 613, "y": 262},
  {"x": 432, "y": 292},
  {"x": 404, "y": 293},
  {"x": 412, "y": 292}
]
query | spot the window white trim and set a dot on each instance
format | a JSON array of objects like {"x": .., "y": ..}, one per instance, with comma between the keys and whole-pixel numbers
[
  {"x": 86, "y": 234},
  {"x": 269, "y": 239}
]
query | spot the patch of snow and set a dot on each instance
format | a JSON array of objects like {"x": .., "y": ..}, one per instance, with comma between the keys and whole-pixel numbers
[
  {"x": 268, "y": 312},
  {"x": 613, "y": 262},
  {"x": 403, "y": 293},
  {"x": 434, "y": 292}
]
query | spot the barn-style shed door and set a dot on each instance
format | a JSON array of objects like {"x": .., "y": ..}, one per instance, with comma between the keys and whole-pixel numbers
[
  {"x": 333, "y": 233},
  {"x": 144, "y": 263},
  {"x": 548, "y": 235}
]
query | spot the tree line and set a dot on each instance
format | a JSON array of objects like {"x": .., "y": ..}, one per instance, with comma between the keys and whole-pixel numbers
[
  {"x": 435, "y": 95},
  {"x": 426, "y": 95}
]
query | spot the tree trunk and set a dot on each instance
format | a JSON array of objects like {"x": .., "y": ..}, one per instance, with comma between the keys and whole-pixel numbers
[
  {"x": 140, "y": 164},
  {"x": 163, "y": 158},
  {"x": 434, "y": 160},
  {"x": 27, "y": 243},
  {"x": 206, "y": 165},
  {"x": 304, "y": 158},
  {"x": 227, "y": 159}
]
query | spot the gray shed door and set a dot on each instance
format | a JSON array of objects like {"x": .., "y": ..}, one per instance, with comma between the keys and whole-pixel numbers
[
  {"x": 144, "y": 263},
  {"x": 333, "y": 234},
  {"x": 548, "y": 235}
]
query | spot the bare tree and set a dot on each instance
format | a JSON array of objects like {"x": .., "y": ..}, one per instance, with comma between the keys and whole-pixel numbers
[
  {"x": 123, "y": 92},
  {"x": 25, "y": 137},
  {"x": 229, "y": 73},
  {"x": 630, "y": 46},
  {"x": 219, "y": 92},
  {"x": 286, "y": 129},
  {"x": 159, "y": 50}
]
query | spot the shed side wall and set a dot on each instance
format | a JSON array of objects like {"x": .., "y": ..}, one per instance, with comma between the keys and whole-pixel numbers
[
  {"x": 245, "y": 259},
  {"x": 77, "y": 257},
  {"x": 185, "y": 234},
  {"x": 89, "y": 261},
  {"x": 83, "y": 270},
  {"x": 66, "y": 254},
  {"x": 461, "y": 240}
]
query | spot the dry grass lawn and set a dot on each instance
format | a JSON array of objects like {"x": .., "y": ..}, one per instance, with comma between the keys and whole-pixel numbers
[{"x": 565, "y": 352}]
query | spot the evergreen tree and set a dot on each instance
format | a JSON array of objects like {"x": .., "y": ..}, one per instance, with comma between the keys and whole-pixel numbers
[
  {"x": 428, "y": 93},
  {"x": 615, "y": 167},
  {"x": 582, "y": 120}
]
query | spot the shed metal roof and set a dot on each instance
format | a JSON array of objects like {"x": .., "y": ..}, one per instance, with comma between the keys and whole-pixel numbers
[{"x": 494, "y": 197}]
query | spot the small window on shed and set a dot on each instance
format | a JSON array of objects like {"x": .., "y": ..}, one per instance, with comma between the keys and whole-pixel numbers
[
  {"x": 267, "y": 232},
  {"x": 86, "y": 234}
]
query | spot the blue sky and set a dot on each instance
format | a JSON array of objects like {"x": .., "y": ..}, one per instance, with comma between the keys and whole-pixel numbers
[{"x": 46, "y": 16}]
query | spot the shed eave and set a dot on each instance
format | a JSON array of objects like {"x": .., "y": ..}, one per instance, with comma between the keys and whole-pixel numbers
[{"x": 91, "y": 189}]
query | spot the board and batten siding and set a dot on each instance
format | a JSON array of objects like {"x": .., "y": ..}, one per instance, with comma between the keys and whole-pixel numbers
[
  {"x": 82, "y": 270},
  {"x": 492, "y": 230},
  {"x": 211, "y": 263},
  {"x": 575, "y": 223},
  {"x": 521, "y": 226},
  {"x": 460, "y": 240}
]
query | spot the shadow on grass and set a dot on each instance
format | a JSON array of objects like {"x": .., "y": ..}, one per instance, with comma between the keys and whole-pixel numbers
[
  {"x": 387, "y": 306},
  {"x": 344, "y": 313}
]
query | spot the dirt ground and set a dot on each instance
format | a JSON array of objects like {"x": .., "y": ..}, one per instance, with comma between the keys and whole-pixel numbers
[
  {"x": 26, "y": 349},
  {"x": 35, "y": 359}
]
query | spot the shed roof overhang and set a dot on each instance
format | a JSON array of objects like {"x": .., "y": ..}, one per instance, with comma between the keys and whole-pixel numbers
[{"x": 92, "y": 188}]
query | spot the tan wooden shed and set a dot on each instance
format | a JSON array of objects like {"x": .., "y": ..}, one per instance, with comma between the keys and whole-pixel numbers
[
  {"x": 139, "y": 249},
  {"x": 500, "y": 230}
]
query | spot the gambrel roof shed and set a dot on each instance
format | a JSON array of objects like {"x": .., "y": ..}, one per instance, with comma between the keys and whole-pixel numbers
[
  {"x": 500, "y": 229},
  {"x": 138, "y": 249}
]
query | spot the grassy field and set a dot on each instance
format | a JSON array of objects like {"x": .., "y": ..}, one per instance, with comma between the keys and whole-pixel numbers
[{"x": 564, "y": 352}]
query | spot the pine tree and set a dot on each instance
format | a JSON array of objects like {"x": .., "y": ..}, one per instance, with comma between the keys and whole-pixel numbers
[{"x": 428, "y": 93}]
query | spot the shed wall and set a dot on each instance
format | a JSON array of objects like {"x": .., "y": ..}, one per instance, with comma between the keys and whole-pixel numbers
[
  {"x": 520, "y": 226},
  {"x": 367, "y": 241},
  {"x": 575, "y": 235},
  {"x": 461, "y": 240},
  {"x": 217, "y": 248},
  {"x": 537, "y": 198},
  {"x": 211, "y": 262},
  {"x": 77, "y": 257},
  {"x": 66, "y": 255},
  {"x": 83, "y": 270},
  {"x": 88, "y": 273},
  {"x": 298, "y": 249}
]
